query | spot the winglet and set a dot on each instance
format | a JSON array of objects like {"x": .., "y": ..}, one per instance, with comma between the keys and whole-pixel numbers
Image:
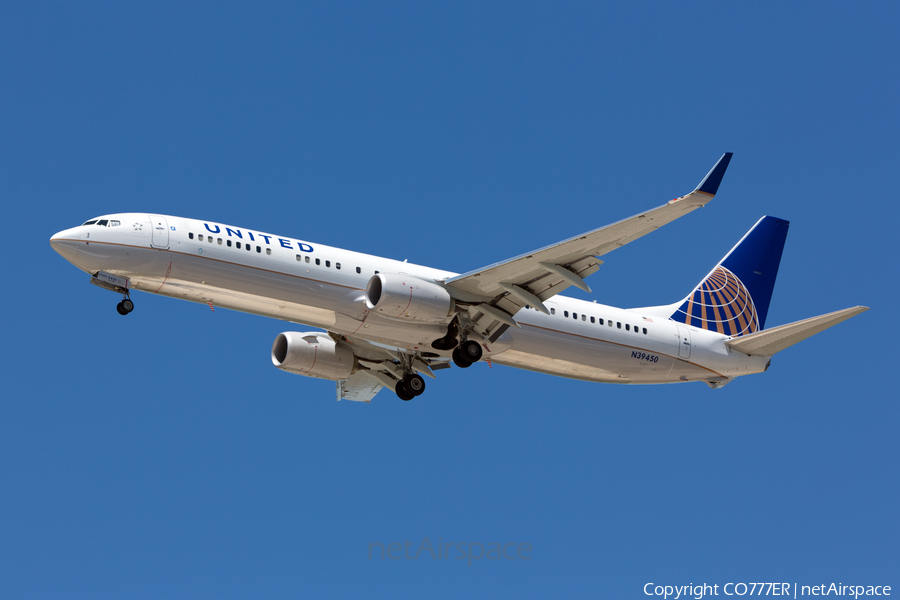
[{"x": 710, "y": 183}]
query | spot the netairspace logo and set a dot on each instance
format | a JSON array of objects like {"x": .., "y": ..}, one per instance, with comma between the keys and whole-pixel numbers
[
  {"x": 764, "y": 589},
  {"x": 442, "y": 550}
]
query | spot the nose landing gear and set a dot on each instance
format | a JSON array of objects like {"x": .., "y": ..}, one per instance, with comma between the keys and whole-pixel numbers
[
  {"x": 116, "y": 284},
  {"x": 125, "y": 306}
]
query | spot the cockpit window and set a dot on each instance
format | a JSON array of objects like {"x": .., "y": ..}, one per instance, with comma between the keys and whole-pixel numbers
[
  {"x": 102, "y": 222},
  {"x": 114, "y": 223},
  {"x": 89, "y": 222}
]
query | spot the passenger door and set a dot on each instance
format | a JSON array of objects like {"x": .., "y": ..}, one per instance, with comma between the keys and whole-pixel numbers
[
  {"x": 159, "y": 231},
  {"x": 684, "y": 342}
]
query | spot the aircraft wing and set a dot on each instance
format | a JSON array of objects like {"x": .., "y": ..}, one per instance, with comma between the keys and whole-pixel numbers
[{"x": 498, "y": 291}]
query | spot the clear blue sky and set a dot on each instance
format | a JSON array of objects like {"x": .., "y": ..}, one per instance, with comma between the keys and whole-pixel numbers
[{"x": 161, "y": 455}]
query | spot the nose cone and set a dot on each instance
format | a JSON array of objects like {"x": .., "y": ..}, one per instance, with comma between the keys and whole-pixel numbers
[{"x": 65, "y": 242}]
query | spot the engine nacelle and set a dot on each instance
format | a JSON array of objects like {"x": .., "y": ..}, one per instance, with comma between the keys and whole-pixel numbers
[
  {"x": 408, "y": 298},
  {"x": 313, "y": 354}
]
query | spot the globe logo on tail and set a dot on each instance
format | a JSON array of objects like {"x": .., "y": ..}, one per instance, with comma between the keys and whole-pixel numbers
[{"x": 720, "y": 303}]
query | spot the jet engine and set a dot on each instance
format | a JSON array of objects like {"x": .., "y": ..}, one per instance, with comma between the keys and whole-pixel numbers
[
  {"x": 408, "y": 298},
  {"x": 313, "y": 354}
]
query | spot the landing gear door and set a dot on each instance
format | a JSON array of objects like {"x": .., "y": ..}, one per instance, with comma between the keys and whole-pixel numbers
[
  {"x": 684, "y": 342},
  {"x": 160, "y": 231}
]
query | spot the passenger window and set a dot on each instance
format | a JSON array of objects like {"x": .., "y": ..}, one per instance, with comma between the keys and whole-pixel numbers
[
  {"x": 259, "y": 249},
  {"x": 318, "y": 262},
  {"x": 191, "y": 236},
  {"x": 358, "y": 270},
  {"x": 220, "y": 241},
  {"x": 627, "y": 327},
  {"x": 200, "y": 238},
  {"x": 228, "y": 243},
  {"x": 566, "y": 313},
  {"x": 337, "y": 266},
  {"x": 269, "y": 251},
  {"x": 609, "y": 323},
  {"x": 327, "y": 263},
  {"x": 552, "y": 311},
  {"x": 247, "y": 246},
  {"x": 618, "y": 325},
  {"x": 102, "y": 223},
  {"x": 238, "y": 245},
  {"x": 575, "y": 316},
  {"x": 584, "y": 318},
  {"x": 209, "y": 239},
  {"x": 645, "y": 331},
  {"x": 299, "y": 258},
  {"x": 307, "y": 259},
  {"x": 592, "y": 319}
]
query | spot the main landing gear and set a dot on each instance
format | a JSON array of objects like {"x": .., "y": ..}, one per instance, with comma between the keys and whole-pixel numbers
[
  {"x": 125, "y": 306},
  {"x": 411, "y": 383},
  {"x": 467, "y": 353},
  {"x": 410, "y": 386}
]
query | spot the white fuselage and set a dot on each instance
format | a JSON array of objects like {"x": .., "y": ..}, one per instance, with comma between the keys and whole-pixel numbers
[{"x": 321, "y": 286}]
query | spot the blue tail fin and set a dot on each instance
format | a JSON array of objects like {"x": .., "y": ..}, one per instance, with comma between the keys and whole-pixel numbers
[{"x": 734, "y": 298}]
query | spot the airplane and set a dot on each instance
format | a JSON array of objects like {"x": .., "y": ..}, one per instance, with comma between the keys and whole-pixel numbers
[{"x": 387, "y": 323}]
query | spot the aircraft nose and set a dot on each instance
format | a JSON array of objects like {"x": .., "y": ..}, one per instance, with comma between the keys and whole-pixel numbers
[
  {"x": 66, "y": 234},
  {"x": 65, "y": 242}
]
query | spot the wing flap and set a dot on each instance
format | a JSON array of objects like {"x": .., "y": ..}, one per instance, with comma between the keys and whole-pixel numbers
[
  {"x": 359, "y": 388},
  {"x": 770, "y": 341}
]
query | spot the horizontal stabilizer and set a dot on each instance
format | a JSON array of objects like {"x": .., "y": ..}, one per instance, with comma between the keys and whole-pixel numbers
[{"x": 776, "y": 339}]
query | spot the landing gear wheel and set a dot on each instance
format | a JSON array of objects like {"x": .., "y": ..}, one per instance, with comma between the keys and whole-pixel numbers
[
  {"x": 402, "y": 392},
  {"x": 471, "y": 351},
  {"x": 414, "y": 384},
  {"x": 125, "y": 306},
  {"x": 459, "y": 360}
]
